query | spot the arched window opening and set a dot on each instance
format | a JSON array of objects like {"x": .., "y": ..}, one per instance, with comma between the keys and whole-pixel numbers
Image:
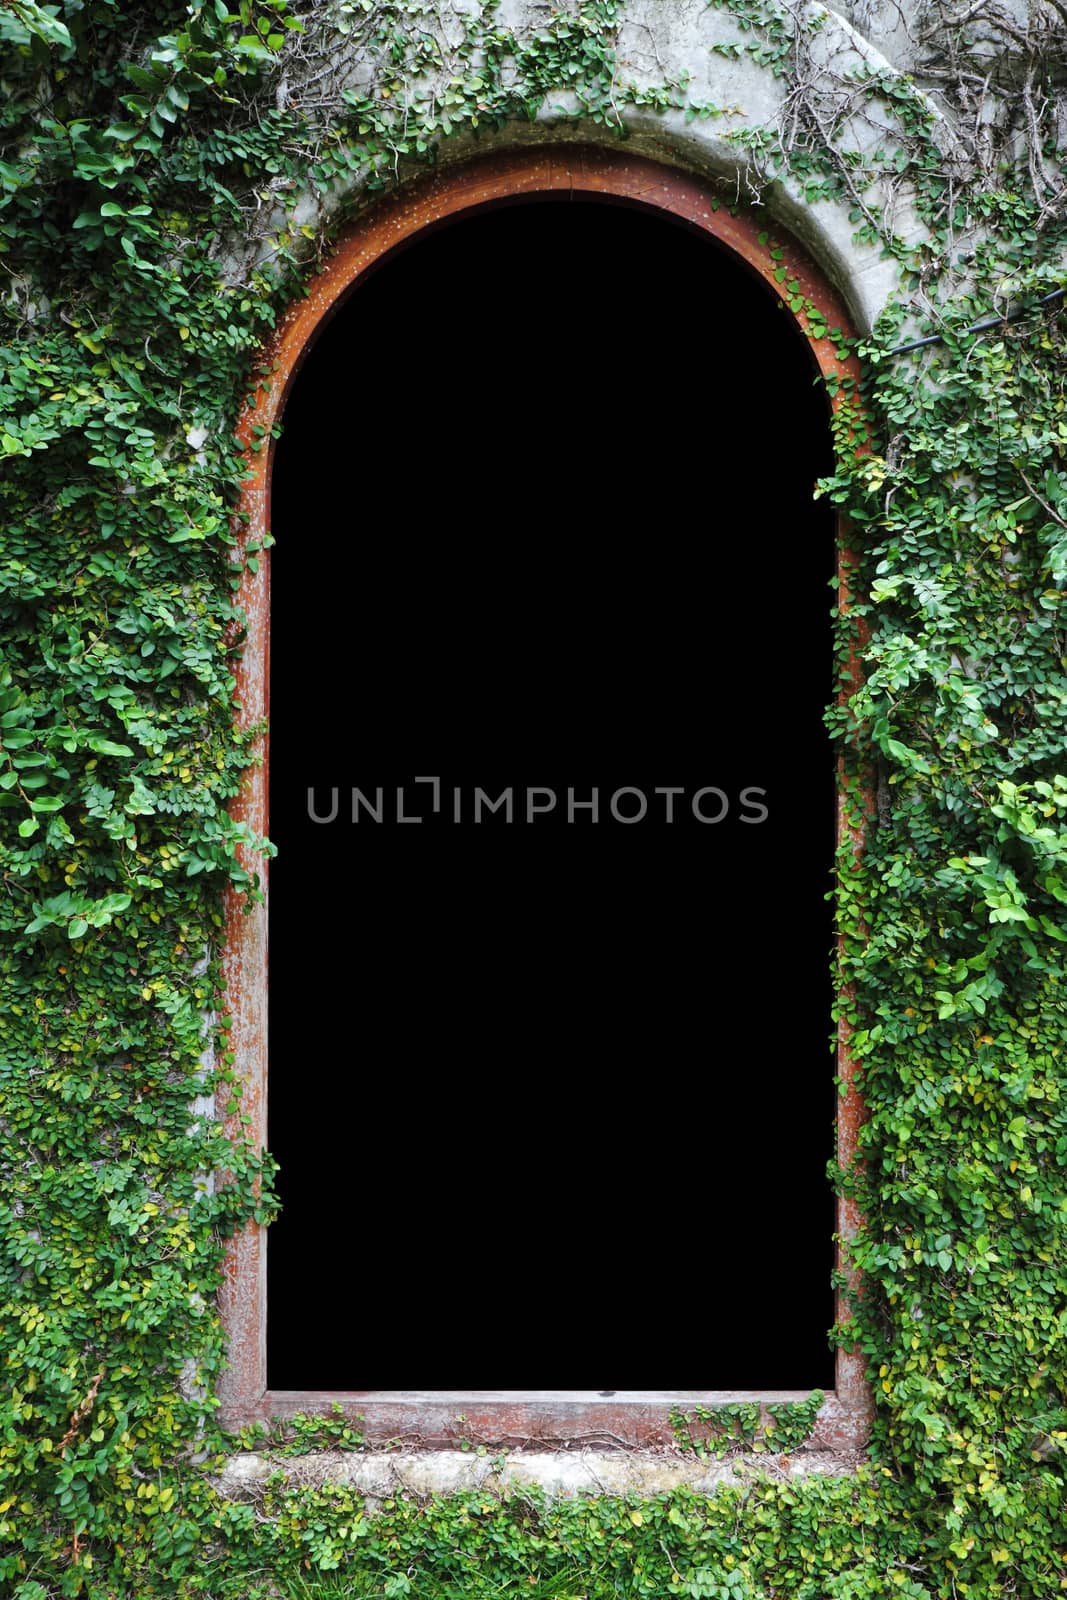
[{"x": 549, "y": 927}]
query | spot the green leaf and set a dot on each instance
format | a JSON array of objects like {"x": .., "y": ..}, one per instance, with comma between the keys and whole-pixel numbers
[
  {"x": 106, "y": 747},
  {"x": 43, "y": 24}
]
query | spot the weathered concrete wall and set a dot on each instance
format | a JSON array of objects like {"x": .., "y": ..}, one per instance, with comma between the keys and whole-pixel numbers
[
  {"x": 673, "y": 40},
  {"x": 380, "y": 1475},
  {"x": 816, "y": 95}
]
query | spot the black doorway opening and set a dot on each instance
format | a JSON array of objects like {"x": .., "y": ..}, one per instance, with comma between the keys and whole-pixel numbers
[{"x": 552, "y": 1099}]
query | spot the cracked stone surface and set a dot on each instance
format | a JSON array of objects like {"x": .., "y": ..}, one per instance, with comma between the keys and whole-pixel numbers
[{"x": 380, "y": 1475}]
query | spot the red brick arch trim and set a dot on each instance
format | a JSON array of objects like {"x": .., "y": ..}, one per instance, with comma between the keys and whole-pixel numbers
[{"x": 634, "y": 1417}]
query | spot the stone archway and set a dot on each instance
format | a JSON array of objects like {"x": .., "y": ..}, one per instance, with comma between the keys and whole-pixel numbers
[{"x": 641, "y": 1416}]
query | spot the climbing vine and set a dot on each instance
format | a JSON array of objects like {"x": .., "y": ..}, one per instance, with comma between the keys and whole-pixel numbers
[
  {"x": 722, "y": 1430},
  {"x": 169, "y": 173}
]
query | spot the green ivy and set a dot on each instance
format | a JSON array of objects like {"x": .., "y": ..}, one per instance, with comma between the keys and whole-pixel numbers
[
  {"x": 148, "y": 174},
  {"x": 301, "y": 1434},
  {"x": 740, "y": 1426}
]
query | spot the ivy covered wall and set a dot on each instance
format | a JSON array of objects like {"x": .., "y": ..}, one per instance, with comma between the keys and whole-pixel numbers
[{"x": 170, "y": 174}]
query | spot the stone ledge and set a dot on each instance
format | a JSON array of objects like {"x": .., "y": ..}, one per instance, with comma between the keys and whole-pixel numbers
[{"x": 381, "y": 1475}]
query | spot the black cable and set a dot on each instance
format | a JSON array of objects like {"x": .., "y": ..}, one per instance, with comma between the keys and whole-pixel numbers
[{"x": 980, "y": 327}]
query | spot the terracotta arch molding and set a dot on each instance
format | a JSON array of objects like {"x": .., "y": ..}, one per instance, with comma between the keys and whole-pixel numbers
[{"x": 636, "y": 1417}]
